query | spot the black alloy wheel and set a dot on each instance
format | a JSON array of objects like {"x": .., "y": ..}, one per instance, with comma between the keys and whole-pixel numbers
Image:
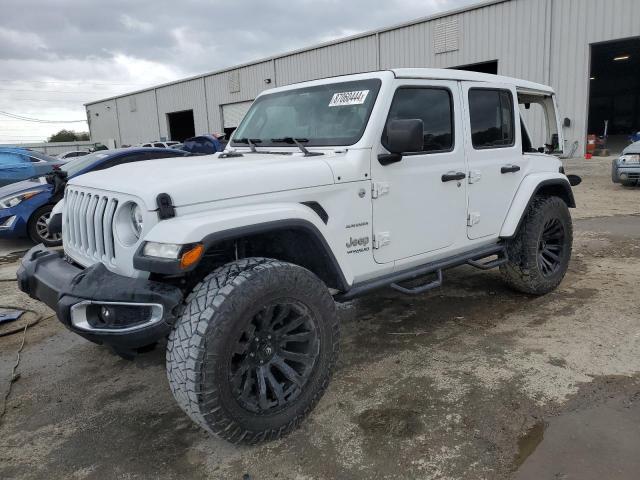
[{"x": 274, "y": 357}]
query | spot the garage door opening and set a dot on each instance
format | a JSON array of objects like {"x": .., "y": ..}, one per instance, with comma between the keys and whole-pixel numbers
[
  {"x": 614, "y": 93},
  {"x": 181, "y": 125},
  {"x": 232, "y": 115},
  {"x": 484, "y": 67}
]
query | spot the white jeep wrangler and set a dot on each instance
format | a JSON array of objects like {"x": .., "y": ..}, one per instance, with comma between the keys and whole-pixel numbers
[{"x": 327, "y": 191}]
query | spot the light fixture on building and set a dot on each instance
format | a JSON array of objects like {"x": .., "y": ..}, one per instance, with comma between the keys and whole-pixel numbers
[
  {"x": 592, "y": 78},
  {"x": 267, "y": 81},
  {"x": 621, "y": 58}
]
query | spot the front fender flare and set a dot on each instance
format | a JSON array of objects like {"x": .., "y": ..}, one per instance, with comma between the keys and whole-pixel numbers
[
  {"x": 215, "y": 226},
  {"x": 528, "y": 189}
]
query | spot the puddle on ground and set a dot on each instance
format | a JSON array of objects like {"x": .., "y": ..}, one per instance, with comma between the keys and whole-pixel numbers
[
  {"x": 528, "y": 443},
  {"x": 11, "y": 257}
]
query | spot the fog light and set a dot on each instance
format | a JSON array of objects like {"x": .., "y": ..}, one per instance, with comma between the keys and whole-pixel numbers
[
  {"x": 106, "y": 315},
  {"x": 114, "y": 316},
  {"x": 623, "y": 176}
]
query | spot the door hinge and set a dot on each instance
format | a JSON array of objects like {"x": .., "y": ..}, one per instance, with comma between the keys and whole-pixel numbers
[
  {"x": 475, "y": 176},
  {"x": 381, "y": 239},
  {"x": 472, "y": 219},
  {"x": 379, "y": 188}
]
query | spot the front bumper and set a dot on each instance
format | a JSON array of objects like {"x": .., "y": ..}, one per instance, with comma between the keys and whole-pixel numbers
[
  {"x": 46, "y": 276},
  {"x": 626, "y": 173},
  {"x": 12, "y": 223}
]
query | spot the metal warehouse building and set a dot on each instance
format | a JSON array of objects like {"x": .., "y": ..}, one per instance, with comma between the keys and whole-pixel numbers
[{"x": 588, "y": 50}]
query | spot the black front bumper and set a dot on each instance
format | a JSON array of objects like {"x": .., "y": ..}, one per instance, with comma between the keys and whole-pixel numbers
[{"x": 46, "y": 276}]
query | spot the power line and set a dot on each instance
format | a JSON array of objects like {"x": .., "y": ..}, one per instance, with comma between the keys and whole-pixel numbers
[{"x": 38, "y": 120}]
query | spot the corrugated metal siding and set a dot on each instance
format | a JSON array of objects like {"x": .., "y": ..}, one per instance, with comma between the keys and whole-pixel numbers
[
  {"x": 252, "y": 82},
  {"x": 140, "y": 125},
  {"x": 183, "y": 96},
  {"x": 354, "y": 56},
  {"x": 576, "y": 25},
  {"x": 103, "y": 122},
  {"x": 512, "y": 33}
]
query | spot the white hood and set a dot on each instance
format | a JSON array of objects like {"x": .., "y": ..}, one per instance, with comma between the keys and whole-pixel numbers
[{"x": 190, "y": 180}]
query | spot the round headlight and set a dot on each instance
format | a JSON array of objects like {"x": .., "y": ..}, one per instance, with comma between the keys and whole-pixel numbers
[{"x": 136, "y": 219}]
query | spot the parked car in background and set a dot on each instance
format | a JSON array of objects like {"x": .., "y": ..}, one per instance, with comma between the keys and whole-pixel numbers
[
  {"x": 626, "y": 168},
  {"x": 203, "y": 144},
  {"x": 25, "y": 207},
  {"x": 177, "y": 146},
  {"x": 18, "y": 164},
  {"x": 72, "y": 154},
  {"x": 159, "y": 144}
]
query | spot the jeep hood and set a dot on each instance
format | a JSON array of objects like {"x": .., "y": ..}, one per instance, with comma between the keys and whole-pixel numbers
[{"x": 190, "y": 180}]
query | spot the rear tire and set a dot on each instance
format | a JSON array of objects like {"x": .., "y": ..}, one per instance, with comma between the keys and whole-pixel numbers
[
  {"x": 253, "y": 350},
  {"x": 38, "y": 230},
  {"x": 539, "y": 254}
]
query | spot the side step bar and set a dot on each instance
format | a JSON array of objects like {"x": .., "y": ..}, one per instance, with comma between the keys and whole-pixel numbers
[{"x": 394, "y": 280}]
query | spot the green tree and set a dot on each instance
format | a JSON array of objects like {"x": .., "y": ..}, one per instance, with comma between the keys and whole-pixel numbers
[{"x": 68, "y": 136}]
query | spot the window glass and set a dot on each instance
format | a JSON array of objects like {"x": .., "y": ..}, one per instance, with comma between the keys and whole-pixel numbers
[
  {"x": 431, "y": 105},
  {"x": 11, "y": 159},
  {"x": 159, "y": 145},
  {"x": 329, "y": 114},
  {"x": 491, "y": 115}
]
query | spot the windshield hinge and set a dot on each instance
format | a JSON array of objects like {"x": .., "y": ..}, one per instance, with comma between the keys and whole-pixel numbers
[{"x": 379, "y": 188}]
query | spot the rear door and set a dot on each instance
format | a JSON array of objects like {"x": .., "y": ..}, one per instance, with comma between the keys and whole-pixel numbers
[
  {"x": 417, "y": 208},
  {"x": 494, "y": 154}
]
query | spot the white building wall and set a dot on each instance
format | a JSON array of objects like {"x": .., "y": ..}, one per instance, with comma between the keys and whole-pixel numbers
[
  {"x": 188, "y": 95},
  {"x": 138, "y": 117},
  {"x": 103, "y": 122},
  {"x": 251, "y": 82},
  {"x": 352, "y": 56}
]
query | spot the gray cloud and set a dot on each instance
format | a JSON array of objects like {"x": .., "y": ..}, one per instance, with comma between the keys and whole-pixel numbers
[{"x": 124, "y": 45}]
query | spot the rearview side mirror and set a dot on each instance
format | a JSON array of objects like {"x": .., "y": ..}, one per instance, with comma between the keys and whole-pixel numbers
[{"x": 402, "y": 136}]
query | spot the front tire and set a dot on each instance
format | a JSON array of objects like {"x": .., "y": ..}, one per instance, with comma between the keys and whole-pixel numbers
[
  {"x": 38, "y": 229},
  {"x": 253, "y": 350},
  {"x": 539, "y": 254}
]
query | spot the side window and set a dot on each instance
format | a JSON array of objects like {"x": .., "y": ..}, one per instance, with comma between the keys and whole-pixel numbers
[
  {"x": 492, "y": 118},
  {"x": 159, "y": 145},
  {"x": 33, "y": 159},
  {"x": 434, "y": 106}
]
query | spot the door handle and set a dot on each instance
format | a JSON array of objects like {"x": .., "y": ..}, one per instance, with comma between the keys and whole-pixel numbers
[
  {"x": 453, "y": 176},
  {"x": 510, "y": 169}
]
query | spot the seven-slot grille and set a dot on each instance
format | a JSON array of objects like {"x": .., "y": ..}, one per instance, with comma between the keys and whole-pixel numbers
[{"x": 89, "y": 224}]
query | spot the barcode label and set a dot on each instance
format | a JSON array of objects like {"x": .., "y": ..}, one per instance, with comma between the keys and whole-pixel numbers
[{"x": 348, "y": 98}]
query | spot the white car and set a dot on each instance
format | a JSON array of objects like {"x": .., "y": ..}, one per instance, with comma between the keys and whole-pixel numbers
[
  {"x": 72, "y": 154},
  {"x": 328, "y": 190},
  {"x": 159, "y": 144}
]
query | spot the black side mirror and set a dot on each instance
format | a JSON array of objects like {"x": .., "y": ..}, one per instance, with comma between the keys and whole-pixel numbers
[{"x": 402, "y": 136}]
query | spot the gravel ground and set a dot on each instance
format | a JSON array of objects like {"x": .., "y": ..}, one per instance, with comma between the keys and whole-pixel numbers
[{"x": 471, "y": 381}]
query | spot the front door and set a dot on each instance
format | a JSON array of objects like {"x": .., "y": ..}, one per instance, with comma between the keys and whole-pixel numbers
[
  {"x": 494, "y": 153},
  {"x": 419, "y": 203}
]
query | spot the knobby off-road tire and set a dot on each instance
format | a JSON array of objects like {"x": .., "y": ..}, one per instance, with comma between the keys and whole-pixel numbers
[
  {"x": 539, "y": 254},
  {"x": 254, "y": 349}
]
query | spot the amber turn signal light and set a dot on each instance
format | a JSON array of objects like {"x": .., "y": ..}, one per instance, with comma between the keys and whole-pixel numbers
[{"x": 191, "y": 256}]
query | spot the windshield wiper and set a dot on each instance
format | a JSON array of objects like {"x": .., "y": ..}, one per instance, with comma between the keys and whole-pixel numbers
[
  {"x": 298, "y": 143},
  {"x": 249, "y": 141}
]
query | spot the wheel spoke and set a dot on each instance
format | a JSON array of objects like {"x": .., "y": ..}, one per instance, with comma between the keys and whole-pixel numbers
[
  {"x": 287, "y": 371},
  {"x": 262, "y": 389},
  {"x": 275, "y": 386},
  {"x": 549, "y": 253},
  {"x": 297, "y": 337},
  {"x": 297, "y": 357},
  {"x": 295, "y": 323}
]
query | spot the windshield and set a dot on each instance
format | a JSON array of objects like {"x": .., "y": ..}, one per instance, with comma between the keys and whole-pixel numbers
[
  {"x": 334, "y": 114},
  {"x": 78, "y": 164}
]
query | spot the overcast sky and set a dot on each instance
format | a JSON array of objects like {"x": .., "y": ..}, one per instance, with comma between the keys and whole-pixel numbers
[{"x": 56, "y": 55}]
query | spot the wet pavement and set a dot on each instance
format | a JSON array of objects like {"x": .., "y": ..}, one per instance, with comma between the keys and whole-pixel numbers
[{"x": 471, "y": 381}]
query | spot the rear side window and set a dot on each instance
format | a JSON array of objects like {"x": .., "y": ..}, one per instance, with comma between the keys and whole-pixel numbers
[
  {"x": 491, "y": 116},
  {"x": 159, "y": 145},
  {"x": 434, "y": 107}
]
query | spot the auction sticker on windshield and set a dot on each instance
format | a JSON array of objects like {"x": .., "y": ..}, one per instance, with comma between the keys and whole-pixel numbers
[{"x": 348, "y": 98}]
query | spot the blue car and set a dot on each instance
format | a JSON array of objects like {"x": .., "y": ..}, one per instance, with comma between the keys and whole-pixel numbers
[
  {"x": 17, "y": 164},
  {"x": 203, "y": 145},
  {"x": 25, "y": 207}
]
